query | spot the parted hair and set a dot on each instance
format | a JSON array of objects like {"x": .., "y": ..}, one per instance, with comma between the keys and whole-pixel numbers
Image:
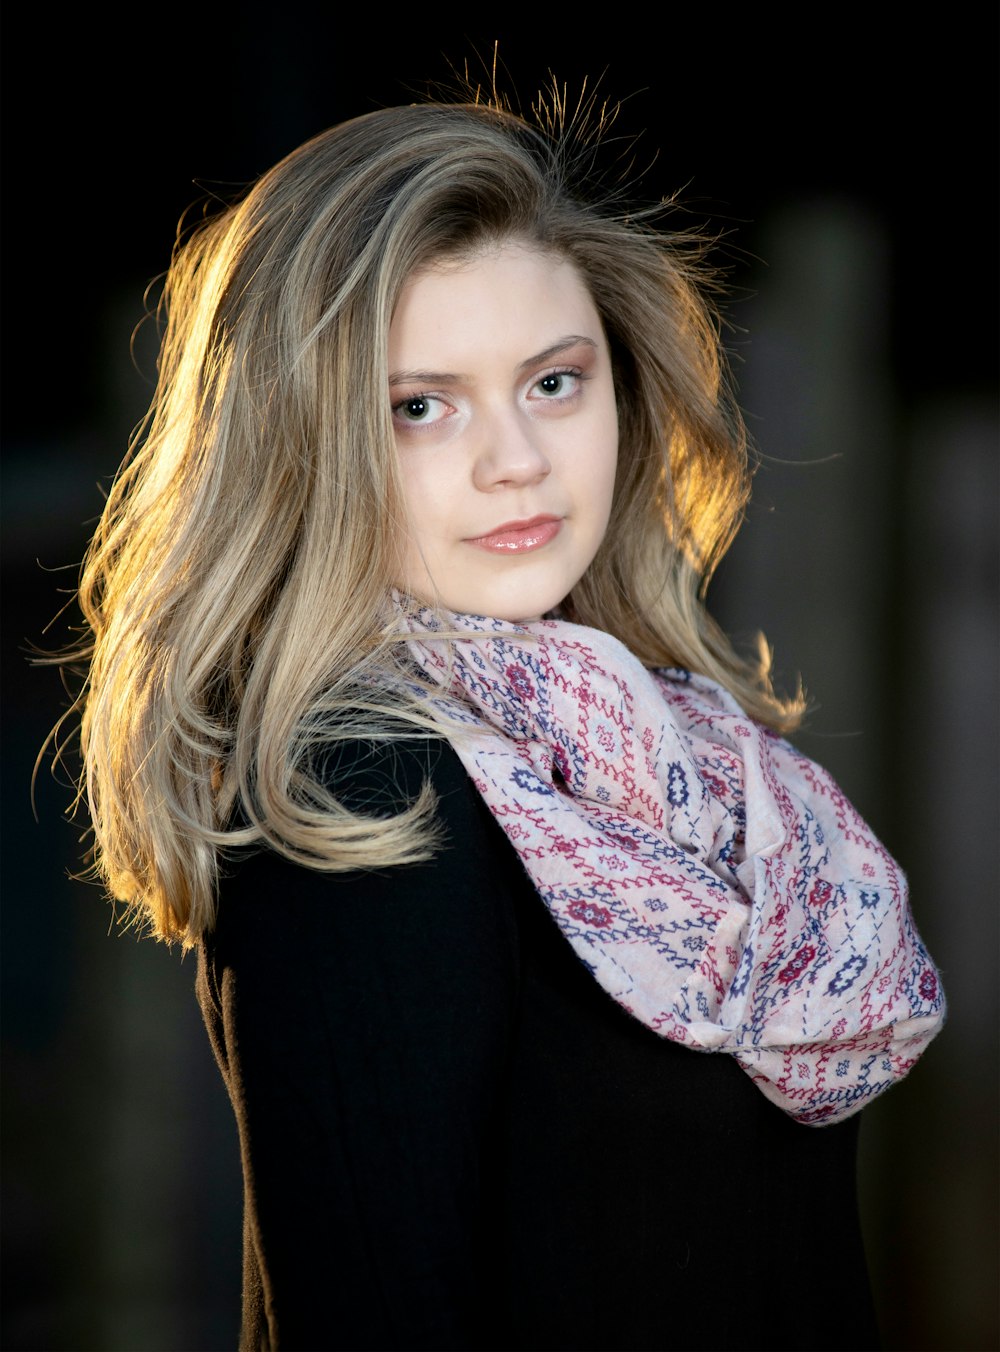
[{"x": 236, "y": 588}]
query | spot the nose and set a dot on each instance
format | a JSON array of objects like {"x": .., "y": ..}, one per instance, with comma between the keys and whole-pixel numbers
[{"x": 510, "y": 454}]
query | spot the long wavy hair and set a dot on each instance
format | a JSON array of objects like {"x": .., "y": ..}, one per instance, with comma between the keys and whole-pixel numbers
[{"x": 235, "y": 589}]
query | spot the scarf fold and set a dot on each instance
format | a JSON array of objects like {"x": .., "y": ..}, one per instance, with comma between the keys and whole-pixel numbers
[{"x": 717, "y": 883}]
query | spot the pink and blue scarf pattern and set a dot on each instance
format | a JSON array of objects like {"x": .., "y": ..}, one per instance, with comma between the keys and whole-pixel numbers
[{"x": 717, "y": 883}]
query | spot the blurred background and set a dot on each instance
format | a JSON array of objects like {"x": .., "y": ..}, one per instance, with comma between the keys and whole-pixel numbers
[{"x": 855, "y": 180}]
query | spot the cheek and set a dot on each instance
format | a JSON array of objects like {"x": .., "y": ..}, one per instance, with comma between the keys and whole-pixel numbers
[
  {"x": 437, "y": 510},
  {"x": 418, "y": 496},
  {"x": 605, "y": 469}
]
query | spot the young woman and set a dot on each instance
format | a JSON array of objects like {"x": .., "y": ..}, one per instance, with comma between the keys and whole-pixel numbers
[{"x": 405, "y": 708}]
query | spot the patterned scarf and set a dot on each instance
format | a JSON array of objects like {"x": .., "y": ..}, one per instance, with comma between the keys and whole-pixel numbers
[{"x": 717, "y": 883}]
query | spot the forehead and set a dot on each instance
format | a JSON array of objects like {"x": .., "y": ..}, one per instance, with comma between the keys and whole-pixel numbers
[{"x": 512, "y": 296}]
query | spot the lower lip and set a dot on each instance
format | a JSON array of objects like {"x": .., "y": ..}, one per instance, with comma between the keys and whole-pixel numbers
[{"x": 521, "y": 541}]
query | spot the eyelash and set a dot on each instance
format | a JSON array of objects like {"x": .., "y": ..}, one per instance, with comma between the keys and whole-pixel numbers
[
  {"x": 423, "y": 396},
  {"x": 573, "y": 372}
]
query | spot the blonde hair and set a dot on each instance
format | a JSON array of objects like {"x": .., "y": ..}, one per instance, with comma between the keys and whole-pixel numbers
[{"x": 236, "y": 586}]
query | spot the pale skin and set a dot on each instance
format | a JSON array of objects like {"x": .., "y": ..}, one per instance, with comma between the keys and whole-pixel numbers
[{"x": 507, "y": 431}]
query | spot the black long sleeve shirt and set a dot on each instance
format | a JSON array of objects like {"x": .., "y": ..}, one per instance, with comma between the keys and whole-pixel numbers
[{"x": 452, "y": 1138}]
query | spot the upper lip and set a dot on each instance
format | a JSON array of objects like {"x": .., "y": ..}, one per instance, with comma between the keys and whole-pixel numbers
[{"x": 509, "y": 526}]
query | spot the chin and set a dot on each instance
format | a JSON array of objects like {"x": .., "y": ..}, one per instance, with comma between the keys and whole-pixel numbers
[
  {"x": 518, "y": 610},
  {"x": 522, "y": 599}
]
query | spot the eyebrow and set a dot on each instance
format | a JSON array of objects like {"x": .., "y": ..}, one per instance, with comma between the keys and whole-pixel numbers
[{"x": 453, "y": 378}]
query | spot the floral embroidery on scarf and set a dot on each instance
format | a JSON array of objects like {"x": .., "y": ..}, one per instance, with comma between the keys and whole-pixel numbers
[{"x": 715, "y": 881}]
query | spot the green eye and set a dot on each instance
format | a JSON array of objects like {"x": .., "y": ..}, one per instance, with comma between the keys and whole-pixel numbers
[
  {"x": 420, "y": 411},
  {"x": 414, "y": 409},
  {"x": 559, "y": 385}
]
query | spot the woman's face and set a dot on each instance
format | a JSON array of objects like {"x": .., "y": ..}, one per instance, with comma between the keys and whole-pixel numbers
[{"x": 504, "y": 413}]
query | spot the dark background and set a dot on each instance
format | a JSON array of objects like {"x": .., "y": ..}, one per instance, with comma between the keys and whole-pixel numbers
[{"x": 855, "y": 176}]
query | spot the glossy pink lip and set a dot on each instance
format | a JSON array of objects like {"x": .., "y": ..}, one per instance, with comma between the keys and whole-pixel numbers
[{"x": 518, "y": 537}]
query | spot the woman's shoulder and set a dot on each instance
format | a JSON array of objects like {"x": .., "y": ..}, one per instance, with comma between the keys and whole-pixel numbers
[
  {"x": 383, "y": 776},
  {"x": 377, "y": 779},
  {"x": 457, "y": 906}
]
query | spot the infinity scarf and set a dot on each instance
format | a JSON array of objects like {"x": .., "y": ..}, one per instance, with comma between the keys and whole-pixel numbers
[{"x": 716, "y": 883}]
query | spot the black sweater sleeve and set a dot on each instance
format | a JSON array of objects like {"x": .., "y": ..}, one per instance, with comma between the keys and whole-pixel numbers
[{"x": 362, "y": 1023}]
